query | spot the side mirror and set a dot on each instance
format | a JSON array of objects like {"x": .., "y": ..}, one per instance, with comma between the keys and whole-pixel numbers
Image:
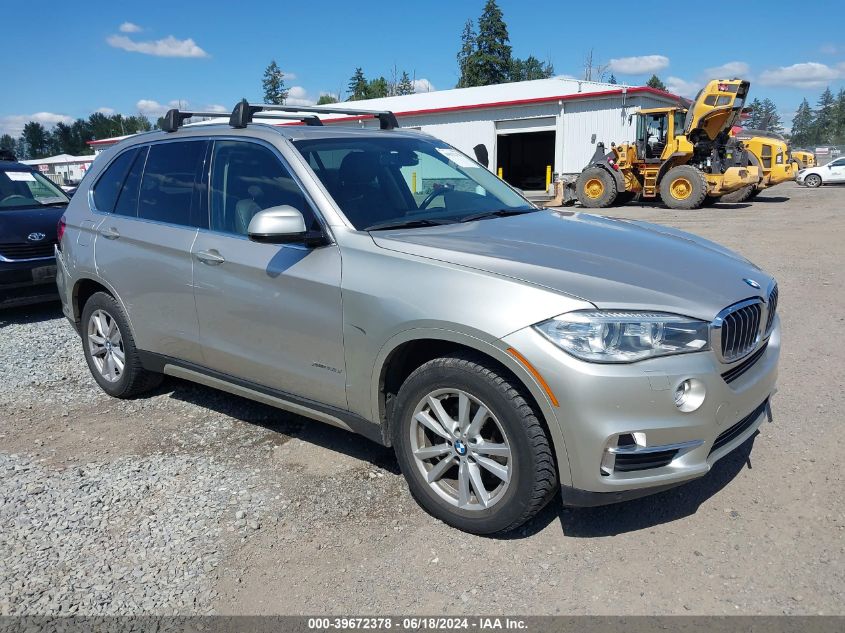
[
  {"x": 277, "y": 225},
  {"x": 481, "y": 154}
]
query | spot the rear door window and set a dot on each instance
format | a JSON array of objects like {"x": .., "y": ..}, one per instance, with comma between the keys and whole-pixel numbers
[
  {"x": 167, "y": 186},
  {"x": 108, "y": 186},
  {"x": 127, "y": 200}
]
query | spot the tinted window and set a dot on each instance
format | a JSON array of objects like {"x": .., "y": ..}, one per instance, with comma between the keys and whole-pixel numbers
[
  {"x": 167, "y": 187},
  {"x": 127, "y": 201},
  {"x": 246, "y": 178},
  {"x": 109, "y": 184}
]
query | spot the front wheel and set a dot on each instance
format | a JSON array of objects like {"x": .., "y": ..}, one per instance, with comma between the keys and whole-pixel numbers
[
  {"x": 471, "y": 446},
  {"x": 813, "y": 181},
  {"x": 683, "y": 187},
  {"x": 596, "y": 188}
]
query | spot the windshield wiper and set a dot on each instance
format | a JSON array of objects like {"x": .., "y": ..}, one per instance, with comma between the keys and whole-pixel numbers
[
  {"x": 406, "y": 224},
  {"x": 499, "y": 213},
  {"x": 55, "y": 204}
]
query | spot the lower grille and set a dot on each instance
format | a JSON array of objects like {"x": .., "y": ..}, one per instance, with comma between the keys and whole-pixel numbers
[
  {"x": 744, "y": 366},
  {"x": 643, "y": 461},
  {"x": 739, "y": 428},
  {"x": 27, "y": 251}
]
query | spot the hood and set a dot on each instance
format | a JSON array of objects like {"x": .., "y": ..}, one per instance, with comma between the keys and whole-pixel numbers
[
  {"x": 611, "y": 263},
  {"x": 16, "y": 225}
]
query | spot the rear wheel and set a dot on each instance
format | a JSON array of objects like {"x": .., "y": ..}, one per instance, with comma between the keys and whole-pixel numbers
[
  {"x": 110, "y": 349},
  {"x": 596, "y": 188},
  {"x": 813, "y": 181},
  {"x": 471, "y": 446},
  {"x": 623, "y": 198},
  {"x": 683, "y": 187}
]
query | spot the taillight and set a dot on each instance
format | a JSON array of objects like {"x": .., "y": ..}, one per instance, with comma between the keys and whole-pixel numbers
[{"x": 60, "y": 230}]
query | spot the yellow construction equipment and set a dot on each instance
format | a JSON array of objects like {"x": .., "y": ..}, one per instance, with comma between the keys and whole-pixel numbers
[
  {"x": 803, "y": 158},
  {"x": 681, "y": 155},
  {"x": 770, "y": 153}
]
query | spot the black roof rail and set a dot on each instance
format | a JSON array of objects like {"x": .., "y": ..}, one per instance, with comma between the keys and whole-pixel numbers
[
  {"x": 174, "y": 118},
  {"x": 244, "y": 113}
]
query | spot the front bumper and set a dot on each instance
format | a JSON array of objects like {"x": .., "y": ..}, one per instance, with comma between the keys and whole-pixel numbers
[
  {"x": 599, "y": 403},
  {"x": 27, "y": 281}
]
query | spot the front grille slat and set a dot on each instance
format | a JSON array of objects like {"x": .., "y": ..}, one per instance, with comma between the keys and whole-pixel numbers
[
  {"x": 740, "y": 330},
  {"x": 27, "y": 251},
  {"x": 739, "y": 428},
  {"x": 773, "y": 306}
]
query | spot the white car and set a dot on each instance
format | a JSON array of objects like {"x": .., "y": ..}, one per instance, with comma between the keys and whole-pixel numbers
[{"x": 833, "y": 172}]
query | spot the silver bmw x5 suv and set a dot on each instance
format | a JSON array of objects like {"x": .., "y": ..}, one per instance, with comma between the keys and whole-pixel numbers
[{"x": 381, "y": 281}]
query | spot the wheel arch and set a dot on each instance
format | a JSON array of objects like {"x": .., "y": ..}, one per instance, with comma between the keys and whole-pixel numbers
[
  {"x": 408, "y": 350},
  {"x": 84, "y": 288}
]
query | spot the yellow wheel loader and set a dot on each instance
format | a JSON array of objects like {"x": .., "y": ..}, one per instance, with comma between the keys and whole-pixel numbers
[
  {"x": 770, "y": 153},
  {"x": 681, "y": 155}
]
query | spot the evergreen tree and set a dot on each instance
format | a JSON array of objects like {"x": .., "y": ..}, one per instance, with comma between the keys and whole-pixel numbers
[
  {"x": 468, "y": 47},
  {"x": 839, "y": 118},
  {"x": 63, "y": 139},
  {"x": 377, "y": 88},
  {"x": 530, "y": 68},
  {"x": 357, "y": 87},
  {"x": 752, "y": 122},
  {"x": 7, "y": 143},
  {"x": 612, "y": 79},
  {"x": 405, "y": 87},
  {"x": 36, "y": 140},
  {"x": 824, "y": 123},
  {"x": 274, "y": 85},
  {"x": 655, "y": 83},
  {"x": 326, "y": 99},
  {"x": 490, "y": 63},
  {"x": 21, "y": 150},
  {"x": 770, "y": 118},
  {"x": 802, "y": 126}
]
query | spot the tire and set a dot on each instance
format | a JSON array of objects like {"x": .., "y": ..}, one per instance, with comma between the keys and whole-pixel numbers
[
  {"x": 683, "y": 187},
  {"x": 529, "y": 480},
  {"x": 813, "y": 181},
  {"x": 103, "y": 314},
  {"x": 596, "y": 188},
  {"x": 709, "y": 201},
  {"x": 741, "y": 195}
]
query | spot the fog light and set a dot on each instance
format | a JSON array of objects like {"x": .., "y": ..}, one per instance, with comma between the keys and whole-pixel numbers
[{"x": 689, "y": 395}]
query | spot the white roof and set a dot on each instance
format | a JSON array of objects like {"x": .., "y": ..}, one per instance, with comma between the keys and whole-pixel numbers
[{"x": 61, "y": 159}]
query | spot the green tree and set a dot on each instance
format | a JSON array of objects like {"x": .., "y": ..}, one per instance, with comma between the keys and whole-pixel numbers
[
  {"x": 137, "y": 123},
  {"x": 839, "y": 118},
  {"x": 63, "y": 140},
  {"x": 530, "y": 68},
  {"x": 824, "y": 122},
  {"x": 377, "y": 88},
  {"x": 770, "y": 117},
  {"x": 490, "y": 62},
  {"x": 752, "y": 122},
  {"x": 405, "y": 86},
  {"x": 36, "y": 140},
  {"x": 612, "y": 79},
  {"x": 82, "y": 133},
  {"x": 357, "y": 87},
  {"x": 326, "y": 99},
  {"x": 655, "y": 83},
  {"x": 7, "y": 143},
  {"x": 802, "y": 126},
  {"x": 273, "y": 84},
  {"x": 465, "y": 55}
]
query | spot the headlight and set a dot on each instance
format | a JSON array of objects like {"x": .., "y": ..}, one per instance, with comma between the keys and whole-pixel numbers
[{"x": 623, "y": 337}]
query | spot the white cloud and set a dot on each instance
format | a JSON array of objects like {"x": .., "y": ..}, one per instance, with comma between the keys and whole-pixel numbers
[
  {"x": 152, "y": 108},
  {"x": 641, "y": 65},
  {"x": 804, "y": 75},
  {"x": 13, "y": 123},
  {"x": 728, "y": 70},
  {"x": 679, "y": 86},
  {"x": 106, "y": 111},
  {"x": 297, "y": 95},
  {"x": 129, "y": 27},
  {"x": 216, "y": 107},
  {"x": 423, "y": 85},
  {"x": 167, "y": 47}
]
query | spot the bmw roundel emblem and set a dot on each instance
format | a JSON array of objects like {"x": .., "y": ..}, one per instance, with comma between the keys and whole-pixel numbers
[
  {"x": 752, "y": 283},
  {"x": 36, "y": 237},
  {"x": 460, "y": 448}
]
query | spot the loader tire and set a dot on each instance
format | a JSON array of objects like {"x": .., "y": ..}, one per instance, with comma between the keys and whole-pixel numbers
[
  {"x": 596, "y": 188},
  {"x": 623, "y": 198},
  {"x": 741, "y": 195},
  {"x": 683, "y": 187}
]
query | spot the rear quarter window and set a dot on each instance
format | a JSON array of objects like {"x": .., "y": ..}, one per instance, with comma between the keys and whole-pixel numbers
[{"x": 108, "y": 185}]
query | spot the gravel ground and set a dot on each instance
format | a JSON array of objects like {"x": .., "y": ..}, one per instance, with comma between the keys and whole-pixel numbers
[{"x": 193, "y": 501}]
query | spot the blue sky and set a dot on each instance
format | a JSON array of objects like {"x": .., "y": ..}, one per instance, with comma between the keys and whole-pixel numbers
[{"x": 60, "y": 63}]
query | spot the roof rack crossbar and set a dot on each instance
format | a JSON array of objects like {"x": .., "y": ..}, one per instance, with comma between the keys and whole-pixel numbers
[
  {"x": 244, "y": 113},
  {"x": 307, "y": 119},
  {"x": 174, "y": 119}
]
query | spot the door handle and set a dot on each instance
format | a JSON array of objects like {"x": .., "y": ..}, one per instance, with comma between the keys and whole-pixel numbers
[
  {"x": 212, "y": 257},
  {"x": 110, "y": 233}
]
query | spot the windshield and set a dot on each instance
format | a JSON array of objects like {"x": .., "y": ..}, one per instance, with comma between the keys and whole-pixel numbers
[
  {"x": 383, "y": 182},
  {"x": 24, "y": 189}
]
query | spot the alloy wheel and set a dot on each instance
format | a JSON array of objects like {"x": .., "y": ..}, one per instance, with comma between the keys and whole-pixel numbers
[
  {"x": 105, "y": 344},
  {"x": 461, "y": 449}
]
